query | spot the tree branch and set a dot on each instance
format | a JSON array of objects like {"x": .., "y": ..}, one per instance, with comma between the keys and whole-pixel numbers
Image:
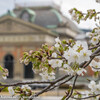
[
  {"x": 94, "y": 47},
  {"x": 86, "y": 97},
  {"x": 72, "y": 88},
  {"x": 23, "y": 83},
  {"x": 92, "y": 57},
  {"x": 60, "y": 83},
  {"x": 48, "y": 87}
]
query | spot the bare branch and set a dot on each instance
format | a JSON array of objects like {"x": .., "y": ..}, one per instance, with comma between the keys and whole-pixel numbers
[
  {"x": 48, "y": 87},
  {"x": 94, "y": 47},
  {"x": 86, "y": 97},
  {"x": 72, "y": 88},
  {"x": 60, "y": 83},
  {"x": 23, "y": 83}
]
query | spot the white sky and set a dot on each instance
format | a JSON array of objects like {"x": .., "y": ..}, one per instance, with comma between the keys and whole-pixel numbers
[{"x": 82, "y": 5}]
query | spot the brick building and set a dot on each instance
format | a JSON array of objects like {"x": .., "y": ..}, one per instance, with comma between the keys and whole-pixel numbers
[{"x": 28, "y": 28}]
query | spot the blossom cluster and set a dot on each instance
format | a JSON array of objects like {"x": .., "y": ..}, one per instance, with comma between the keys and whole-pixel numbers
[
  {"x": 95, "y": 66},
  {"x": 79, "y": 15},
  {"x": 94, "y": 36},
  {"x": 95, "y": 88},
  {"x": 24, "y": 91},
  {"x": 67, "y": 55},
  {"x": 73, "y": 57},
  {"x": 76, "y": 15},
  {"x": 4, "y": 72},
  {"x": 85, "y": 94},
  {"x": 47, "y": 76}
]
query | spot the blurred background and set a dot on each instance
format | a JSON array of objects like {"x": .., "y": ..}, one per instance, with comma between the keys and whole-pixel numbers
[{"x": 27, "y": 24}]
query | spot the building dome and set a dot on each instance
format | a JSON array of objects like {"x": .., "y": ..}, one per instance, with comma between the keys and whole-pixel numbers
[{"x": 48, "y": 17}]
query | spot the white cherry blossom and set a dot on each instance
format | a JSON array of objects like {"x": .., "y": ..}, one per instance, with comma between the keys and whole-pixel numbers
[
  {"x": 66, "y": 66},
  {"x": 47, "y": 76},
  {"x": 57, "y": 45},
  {"x": 94, "y": 40},
  {"x": 92, "y": 86},
  {"x": 11, "y": 91},
  {"x": 78, "y": 53},
  {"x": 80, "y": 71},
  {"x": 26, "y": 87},
  {"x": 26, "y": 61},
  {"x": 89, "y": 34},
  {"x": 57, "y": 40},
  {"x": 79, "y": 44},
  {"x": 95, "y": 65},
  {"x": 55, "y": 63},
  {"x": 54, "y": 54},
  {"x": 70, "y": 71},
  {"x": 95, "y": 88},
  {"x": 84, "y": 55},
  {"x": 71, "y": 55},
  {"x": 4, "y": 77}
]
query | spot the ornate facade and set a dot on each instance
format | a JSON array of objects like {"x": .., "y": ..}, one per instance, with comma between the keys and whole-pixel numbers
[
  {"x": 16, "y": 37},
  {"x": 29, "y": 28}
]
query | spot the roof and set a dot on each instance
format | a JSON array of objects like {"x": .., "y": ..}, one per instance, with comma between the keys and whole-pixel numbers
[
  {"x": 50, "y": 18},
  {"x": 30, "y": 12},
  {"x": 43, "y": 16},
  {"x": 24, "y": 24},
  {"x": 10, "y": 13},
  {"x": 46, "y": 18}
]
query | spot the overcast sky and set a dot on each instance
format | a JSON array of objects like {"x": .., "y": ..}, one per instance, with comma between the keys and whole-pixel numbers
[{"x": 82, "y": 5}]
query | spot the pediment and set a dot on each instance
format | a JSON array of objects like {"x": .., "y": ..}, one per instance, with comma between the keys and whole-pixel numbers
[{"x": 9, "y": 24}]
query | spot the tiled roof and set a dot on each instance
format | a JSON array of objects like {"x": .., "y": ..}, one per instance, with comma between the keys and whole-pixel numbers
[{"x": 45, "y": 18}]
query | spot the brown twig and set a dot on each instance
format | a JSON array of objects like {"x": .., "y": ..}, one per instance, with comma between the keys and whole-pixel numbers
[
  {"x": 23, "y": 83},
  {"x": 72, "y": 88},
  {"x": 48, "y": 87},
  {"x": 60, "y": 83},
  {"x": 86, "y": 97},
  {"x": 94, "y": 47},
  {"x": 98, "y": 54},
  {"x": 55, "y": 58},
  {"x": 95, "y": 68}
]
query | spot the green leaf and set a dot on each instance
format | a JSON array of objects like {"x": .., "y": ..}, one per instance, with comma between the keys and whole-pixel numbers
[
  {"x": 49, "y": 69},
  {"x": 1, "y": 69},
  {"x": 66, "y": 48},
  {"x": 50, "y": 52},
  {"x": 64, "y": 97},
  {"x": 86, "y": 17},
  {"x": 64, "y": 42},
  {"x": 96, "y": 74}
]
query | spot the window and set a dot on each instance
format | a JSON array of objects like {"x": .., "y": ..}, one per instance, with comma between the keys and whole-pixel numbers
[{"x": 9, "y": 64}]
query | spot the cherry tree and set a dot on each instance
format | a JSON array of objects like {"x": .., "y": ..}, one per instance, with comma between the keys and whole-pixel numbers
[{"x": 73, "y": 57}]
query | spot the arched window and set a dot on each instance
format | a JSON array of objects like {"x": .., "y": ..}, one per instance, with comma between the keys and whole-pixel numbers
[
  {"x": 28, "y": 72},
  {"x": 9, "y": 64}
]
